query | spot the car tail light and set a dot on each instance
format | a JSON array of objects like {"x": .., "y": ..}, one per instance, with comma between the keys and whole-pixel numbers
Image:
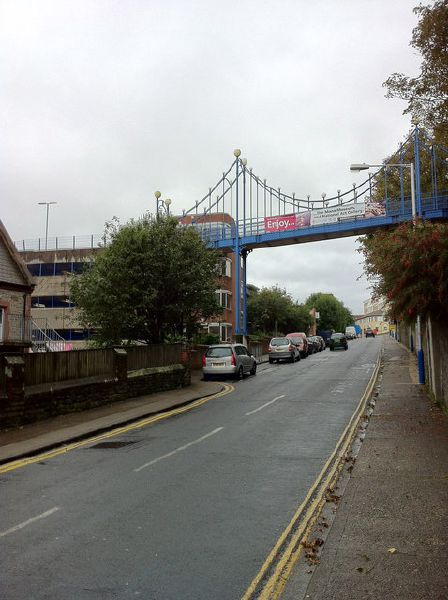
[
  {"x": 204, "y": 360},
  {"x": 290, "y": 348},
  {"x": 232, "y": 360},
  {"x": 270, "y": 349}
]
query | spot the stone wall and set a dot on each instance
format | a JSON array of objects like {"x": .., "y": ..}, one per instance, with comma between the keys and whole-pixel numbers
[
  {"x": 435, "y": 351},
  {"x": 20, "y": 405},
  {"x": 436, "y": 360}
]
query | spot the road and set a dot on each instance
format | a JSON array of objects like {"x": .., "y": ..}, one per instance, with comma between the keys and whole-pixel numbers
[{"x": 188, "y": 507}]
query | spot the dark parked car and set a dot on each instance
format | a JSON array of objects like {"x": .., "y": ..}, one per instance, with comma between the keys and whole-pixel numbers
[
  {"x": 326, "y": 335},
  {"x": 369, "y": 332},
  {"x": 299, "y": 339},
  {"x": 313, "y": 345},
  {"x": 228, "y": 359},
  {"x": 320, "y": 342},
  {"x": 338, "y": 340}
]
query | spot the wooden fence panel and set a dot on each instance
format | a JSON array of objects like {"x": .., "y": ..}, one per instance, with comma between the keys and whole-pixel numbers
[
  {"x": 47, "y": 367},
  {"x": 153, "y": 355}
]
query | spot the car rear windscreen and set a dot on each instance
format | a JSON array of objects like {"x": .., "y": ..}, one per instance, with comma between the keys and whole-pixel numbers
[
  {"x": 218, "y": 352},
  {"x": 280, "y": 342}
]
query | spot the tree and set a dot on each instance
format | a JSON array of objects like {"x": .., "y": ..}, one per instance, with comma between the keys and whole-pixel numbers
[
  {"x": 427, "y": 94},
  {"x": 332, "y": 312},
  {"x": 152, "y": 278},
  {"x": 409, "y": 267},
  {"x": 273, "y": 311}
]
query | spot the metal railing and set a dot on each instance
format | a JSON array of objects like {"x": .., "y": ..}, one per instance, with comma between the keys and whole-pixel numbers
[
  {"x": 74, "y": 242},
  {"x": 45, "y": 338},
  {"x": 215, "y": 231}
]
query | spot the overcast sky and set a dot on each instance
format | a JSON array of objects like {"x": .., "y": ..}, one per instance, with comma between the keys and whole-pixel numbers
[{"x": 104, "y": 101}]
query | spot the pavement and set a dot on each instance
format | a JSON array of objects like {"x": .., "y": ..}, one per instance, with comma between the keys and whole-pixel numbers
[{"x": 384, "y": 531}]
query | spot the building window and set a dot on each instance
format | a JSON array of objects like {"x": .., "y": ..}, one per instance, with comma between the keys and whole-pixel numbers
[
  {"x": 225, "y": 269},
  {"x": 224, "y": 298},
  {"x": 51, "y": 269},
  {"x": 223, "y": 330}
]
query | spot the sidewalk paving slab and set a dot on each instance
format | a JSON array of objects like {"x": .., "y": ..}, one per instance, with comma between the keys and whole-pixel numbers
[{"x": 389, "y": 537}]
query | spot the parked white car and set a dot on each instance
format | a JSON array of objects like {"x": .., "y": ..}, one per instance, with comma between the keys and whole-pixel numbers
[
  {"x": 228, "y": 359},
  {"x": 282, "y": 348}
]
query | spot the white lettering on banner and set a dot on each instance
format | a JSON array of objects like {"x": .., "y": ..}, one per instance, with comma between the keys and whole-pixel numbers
[
  {"x": 333, "y": 214},
  {"x": 280, "y": 223}
]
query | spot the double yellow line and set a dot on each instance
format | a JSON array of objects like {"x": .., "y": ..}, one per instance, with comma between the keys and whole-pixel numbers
[
  {"x": 17, "y": 464},
  {"x": 275, "y": 571}
]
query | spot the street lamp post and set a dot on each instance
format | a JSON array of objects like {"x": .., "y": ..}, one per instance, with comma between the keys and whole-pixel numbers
[
  {"x": 47, "y": 204},
  {"x": 162, "y": 206},
  {"x": 418, "y": 329}
]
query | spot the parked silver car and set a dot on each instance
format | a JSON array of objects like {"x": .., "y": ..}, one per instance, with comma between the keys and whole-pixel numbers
[
  {"x": 282, "y": 348},
  {"x": 228, "y": 359}
]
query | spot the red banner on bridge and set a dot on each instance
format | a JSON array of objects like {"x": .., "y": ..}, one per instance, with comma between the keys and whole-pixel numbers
[{"x": 286, "y": 222}]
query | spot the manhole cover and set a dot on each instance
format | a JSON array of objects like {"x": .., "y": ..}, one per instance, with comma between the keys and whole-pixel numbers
[{"x": 106, "y": 445}]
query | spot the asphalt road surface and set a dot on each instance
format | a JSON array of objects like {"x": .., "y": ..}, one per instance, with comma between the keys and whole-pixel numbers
[{"x": 187, "y": 508}]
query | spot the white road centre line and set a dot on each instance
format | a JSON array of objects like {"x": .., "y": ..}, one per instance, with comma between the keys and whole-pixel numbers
[
  {"x": 29, "y": 521},
  {"x": 264, "y": 405},
  {"x": 180, "y": 449}
]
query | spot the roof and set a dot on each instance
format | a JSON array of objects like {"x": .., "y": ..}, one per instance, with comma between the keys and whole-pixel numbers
[{"x": 15, "y": 257}]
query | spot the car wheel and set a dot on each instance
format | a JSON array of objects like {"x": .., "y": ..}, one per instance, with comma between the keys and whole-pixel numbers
[
  {"x": 253, "y": 371},
  {"x": 332, "y": 349},
  {"x": 240, "y": 374},
  {"x": 271, "y": 361},
  {"x": 292, "y": 359},
  {"x": 298, "y": 357},
  {"x": 205, "y": 377}
]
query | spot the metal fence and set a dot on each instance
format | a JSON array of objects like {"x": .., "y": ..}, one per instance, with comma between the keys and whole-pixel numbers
[{"x": 67, "y": 242}]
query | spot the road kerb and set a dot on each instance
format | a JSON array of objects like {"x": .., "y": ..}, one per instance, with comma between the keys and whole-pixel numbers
[{"x": 23, "y": 462}]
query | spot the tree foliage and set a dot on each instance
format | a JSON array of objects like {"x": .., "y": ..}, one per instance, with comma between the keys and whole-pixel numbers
[
  {"x": 427, "y": 93},
  {"x": 332, "y": 312},
  {"x": 409, "y": 267},
  {"x": 273, "y": 311},
  {"x": 153, "y": 278}
]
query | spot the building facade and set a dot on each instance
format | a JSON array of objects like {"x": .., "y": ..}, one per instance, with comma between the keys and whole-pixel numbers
[
  {"x": 51, "y": 305},
  {"x": 374, "y": 316},
  {"x": 16, "y": 288}
]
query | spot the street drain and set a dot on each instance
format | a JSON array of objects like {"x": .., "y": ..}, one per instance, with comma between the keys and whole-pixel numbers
[{"x": 106, "y": 445}]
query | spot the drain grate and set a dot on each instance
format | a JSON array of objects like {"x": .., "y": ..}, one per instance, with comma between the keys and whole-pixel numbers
[{"x": 106, "y": 445}]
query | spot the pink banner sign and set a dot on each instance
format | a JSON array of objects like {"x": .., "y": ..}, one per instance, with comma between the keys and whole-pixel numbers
[{"x": 286, "y": 222}]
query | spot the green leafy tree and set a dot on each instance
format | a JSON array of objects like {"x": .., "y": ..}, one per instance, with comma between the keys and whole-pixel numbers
[
  {"x": 409, "y": 267},
  {"x": 152, "y": 279},
  {"x": 427, "y": 102},
  {"x": 273, "y": 311},
  {"x": 427, "y": 93},
  {"x": 332, "y": 312}
]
